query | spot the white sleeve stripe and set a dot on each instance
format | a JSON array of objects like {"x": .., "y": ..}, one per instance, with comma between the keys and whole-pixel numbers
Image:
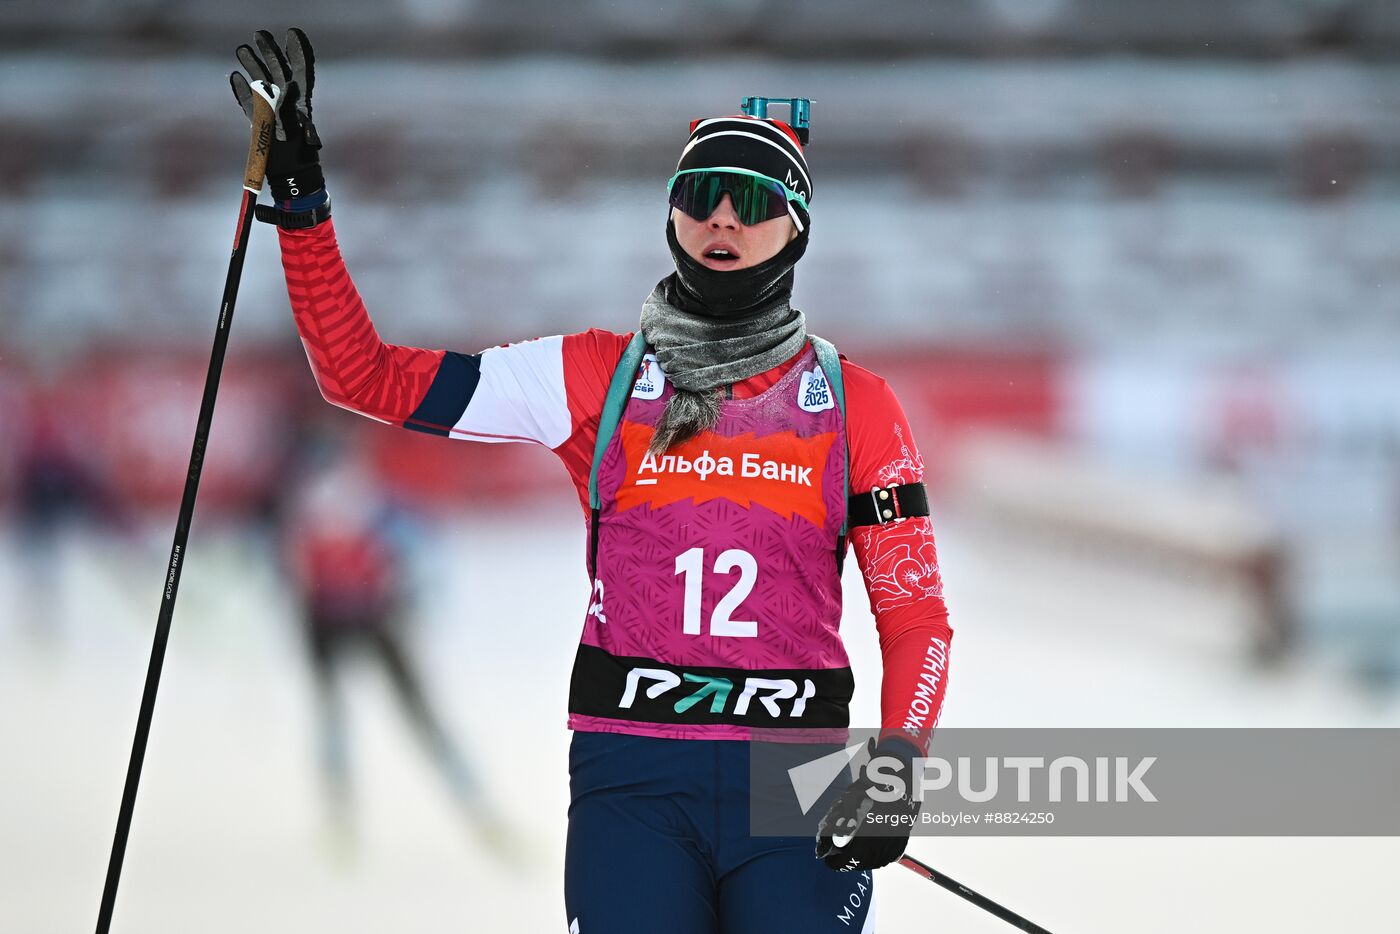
[
  {"x": 488, "y": 438},
  {"x": 520, "y": 395}
]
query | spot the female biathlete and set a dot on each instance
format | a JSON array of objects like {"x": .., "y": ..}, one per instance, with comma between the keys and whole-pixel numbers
[{"x": 724, "y": 458}]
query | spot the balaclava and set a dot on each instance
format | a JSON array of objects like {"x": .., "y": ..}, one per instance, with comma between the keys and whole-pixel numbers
[{"x": 711, "y": 328}]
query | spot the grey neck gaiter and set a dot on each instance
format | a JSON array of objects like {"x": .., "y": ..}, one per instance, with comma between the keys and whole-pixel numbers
[{"x": 700, "y": 353}]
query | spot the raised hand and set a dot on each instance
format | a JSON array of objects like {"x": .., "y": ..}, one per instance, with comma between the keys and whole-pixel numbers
[{"x": 293, "y": 164}]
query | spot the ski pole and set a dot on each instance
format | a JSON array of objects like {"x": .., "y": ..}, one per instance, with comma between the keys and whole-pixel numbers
[
  {"x": 264, "y": 121},
  {"x": 981, "y": 901}
]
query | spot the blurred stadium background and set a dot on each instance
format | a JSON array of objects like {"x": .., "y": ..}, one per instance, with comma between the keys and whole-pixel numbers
[{"x": 1133, "y": 268}]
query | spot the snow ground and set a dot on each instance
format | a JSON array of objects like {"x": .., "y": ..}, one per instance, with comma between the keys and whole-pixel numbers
[{"x": 229, "y": 833}]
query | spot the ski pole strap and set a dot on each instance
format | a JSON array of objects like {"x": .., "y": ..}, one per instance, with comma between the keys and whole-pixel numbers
[
  {"x": 299, "y": 215},
  {"x": 623, "y": 379}
]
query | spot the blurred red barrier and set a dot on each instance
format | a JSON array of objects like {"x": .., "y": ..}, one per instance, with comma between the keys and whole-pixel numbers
[
  {"x": 948, "y": 391},
  {"x": 127, "y": 415},
  {"x": 137, "y": 413}
]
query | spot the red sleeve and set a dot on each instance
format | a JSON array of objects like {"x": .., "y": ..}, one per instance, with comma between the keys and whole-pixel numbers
[
  {"x": 517, "y": 392},
  {"x": 354, "y": 368},
  {"x": 899, "y": 562}
]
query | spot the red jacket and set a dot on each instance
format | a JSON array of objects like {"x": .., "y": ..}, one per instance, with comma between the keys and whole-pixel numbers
[{"x": 550, "y": 391}]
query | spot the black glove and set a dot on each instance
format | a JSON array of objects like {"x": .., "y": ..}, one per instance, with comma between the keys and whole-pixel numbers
[
  {"x": 293, "y": 163},
  {"x": 869, "y": 833}
]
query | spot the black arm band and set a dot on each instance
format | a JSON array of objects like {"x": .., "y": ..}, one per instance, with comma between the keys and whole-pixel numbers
[
  {"x": 293, "y": 220},
  {"x": 887, "y": 504}
]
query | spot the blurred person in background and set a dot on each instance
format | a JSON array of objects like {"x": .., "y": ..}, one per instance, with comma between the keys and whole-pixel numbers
[
  {"x": 345, "y": 543},
  {"x": 717, "y": 497},
  {"x": 56, "y": 490}
]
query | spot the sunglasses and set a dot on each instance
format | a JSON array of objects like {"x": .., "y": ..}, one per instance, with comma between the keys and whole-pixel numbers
[{"x": 756, "y": 198}]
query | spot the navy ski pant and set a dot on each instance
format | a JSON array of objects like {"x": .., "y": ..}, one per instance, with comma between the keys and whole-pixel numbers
[{"x": 659, "y": 842}]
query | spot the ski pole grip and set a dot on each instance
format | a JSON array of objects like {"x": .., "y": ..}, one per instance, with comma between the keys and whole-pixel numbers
[{"x": 264, "y": 125}]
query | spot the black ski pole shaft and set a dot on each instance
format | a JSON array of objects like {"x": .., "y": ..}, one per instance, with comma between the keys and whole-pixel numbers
[
  {"x": 263, "y": 126},
  {"x": 981, "y": 901}
]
